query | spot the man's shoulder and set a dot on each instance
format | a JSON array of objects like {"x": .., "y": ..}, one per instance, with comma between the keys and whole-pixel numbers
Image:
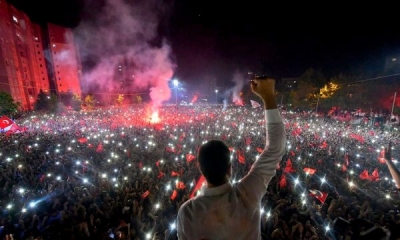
[
  {"x": 187, "y": 205},
  {"x": 185, "y": 209}
]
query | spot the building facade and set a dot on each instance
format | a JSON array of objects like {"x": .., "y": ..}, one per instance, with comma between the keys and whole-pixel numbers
[
  {"x": 64, "y": 58},
  {"x": 24, "y": 58}
]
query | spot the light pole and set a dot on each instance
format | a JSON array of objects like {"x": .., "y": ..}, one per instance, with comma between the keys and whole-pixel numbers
[
  {"x": 176, "y": 83},
  {"x": 216, "y": 96},
  {"x": 316, "y": 108}
]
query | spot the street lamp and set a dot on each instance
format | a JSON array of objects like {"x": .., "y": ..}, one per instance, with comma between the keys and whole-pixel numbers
[
  {"x": 216, "y": 95},
  {"x": 176, "y": 83}
]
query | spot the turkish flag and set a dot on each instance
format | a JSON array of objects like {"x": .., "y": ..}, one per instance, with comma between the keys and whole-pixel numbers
[
  {"x": 174, "y": 174},
  {"x": 180, "y": 185},
  {"x": 190, "y": 157},
  {"x": 182, "y": 136},
  {"x": 174, "y": 195},
  {"x": 344, "y": 168},
  {"x": 170, "y": 149},
  {"x": 310, "y": 171},
  {"x": 365, "y": 175},
  {"x": 146, "y": 194},
  {"x": 346, "y": 159},
  {"x": 160, "y": 175},
  {"x": 375, "y": 175},
  {"x": 241, "y": 158},
  {"x": 321, "y": 196},
  {"x": 248, "y": 141},
  {"x": 100, "y": 148},
  {"x": 283, "y": 182},
  {"x": 199, "y": 183},
  {"x": 357, "y": 137},
  {"x": 381, "y": 157},
  {"x": 289, "y": 167},
  {"x": 5, "y": 122}
]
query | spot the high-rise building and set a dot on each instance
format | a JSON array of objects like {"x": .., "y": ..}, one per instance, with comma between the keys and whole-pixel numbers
[
  {"x": 24, "y": 47},
  {"x": 64, "y": 59}
]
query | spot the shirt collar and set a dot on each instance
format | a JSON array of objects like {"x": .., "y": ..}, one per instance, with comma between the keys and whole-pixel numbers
[{"x": 206, "y": 191}]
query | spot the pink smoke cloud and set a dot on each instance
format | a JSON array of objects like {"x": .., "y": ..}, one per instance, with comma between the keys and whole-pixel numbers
[{"x": 119, "y": 44}]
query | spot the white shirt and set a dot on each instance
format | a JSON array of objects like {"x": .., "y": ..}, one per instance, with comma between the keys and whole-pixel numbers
[{"x": 234, "y": 211}]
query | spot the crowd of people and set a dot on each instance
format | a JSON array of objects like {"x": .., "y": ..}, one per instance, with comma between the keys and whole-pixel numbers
[{"x": 123, "y": 173}]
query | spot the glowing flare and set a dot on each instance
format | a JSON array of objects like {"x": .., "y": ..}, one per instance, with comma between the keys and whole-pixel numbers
[{"x": 155, "y": 118}]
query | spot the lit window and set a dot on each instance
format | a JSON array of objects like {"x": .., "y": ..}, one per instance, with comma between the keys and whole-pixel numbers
[
  {"x": 15, "y": 19},
  {"x": 54, "y": 45},
  {"x": 394, "y": 59}
]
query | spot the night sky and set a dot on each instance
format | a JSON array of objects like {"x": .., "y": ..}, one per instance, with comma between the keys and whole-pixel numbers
[{"x": 215, "y": 38}]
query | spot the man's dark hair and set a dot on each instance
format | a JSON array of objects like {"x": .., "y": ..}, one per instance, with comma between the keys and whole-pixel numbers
[{"x": 214, "y": 161}]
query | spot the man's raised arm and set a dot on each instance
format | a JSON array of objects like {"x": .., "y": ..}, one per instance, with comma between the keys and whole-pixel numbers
[{"x": 263, "y": 169}]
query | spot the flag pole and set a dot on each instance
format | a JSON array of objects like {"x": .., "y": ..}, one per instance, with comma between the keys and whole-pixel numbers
[
  {"x": 316, "y": 108},
  {"x": 394, "y": 101}
]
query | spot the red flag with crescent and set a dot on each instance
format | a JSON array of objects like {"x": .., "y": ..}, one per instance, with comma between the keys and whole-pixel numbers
[
  {"x": 321, "y": 196},
  {"x": 198, "y": 185},
  {"x": 5, "y": 122}
]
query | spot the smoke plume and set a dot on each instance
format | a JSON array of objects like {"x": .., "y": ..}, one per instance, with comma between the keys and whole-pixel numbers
[
  {"x": 121, "y": 51},
  {"x": 238, "y": 79}
]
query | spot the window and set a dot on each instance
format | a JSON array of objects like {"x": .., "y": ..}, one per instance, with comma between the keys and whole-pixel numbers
[
  {"x": 41, "y": 65},
  {"x": 23, "y": 24},
  {"x": 59, "y": 78},
  {"x": 44, "y": 79}
]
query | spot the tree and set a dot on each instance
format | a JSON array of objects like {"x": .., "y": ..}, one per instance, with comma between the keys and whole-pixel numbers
[
  {"x": 7, "y": 104},
  {"x": 328, "y": 90},
  {"x": 66, "y": 97},
  {"x": 48, "y": 103},
  {"x": 293, "y": 100},
  {"x": 76, "y": 102},
  {"x": 55, "y": 106},
  {"x": 42, "y": 101},
  {"x": 313, "y": 78},
  {"x": 89, "y": 102},
  {"x": 120, "y": 99},
  {"x": 308, "y": 87}
]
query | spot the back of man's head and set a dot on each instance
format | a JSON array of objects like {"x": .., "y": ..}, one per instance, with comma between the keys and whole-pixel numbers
[{"x": 214, "y": 161}]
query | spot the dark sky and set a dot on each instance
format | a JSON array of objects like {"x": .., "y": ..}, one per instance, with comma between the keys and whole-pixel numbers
[{"x": 215, "y": 38}]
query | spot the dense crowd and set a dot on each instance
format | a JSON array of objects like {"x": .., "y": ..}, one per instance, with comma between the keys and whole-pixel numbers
[{"x": 117, "y": 173}]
